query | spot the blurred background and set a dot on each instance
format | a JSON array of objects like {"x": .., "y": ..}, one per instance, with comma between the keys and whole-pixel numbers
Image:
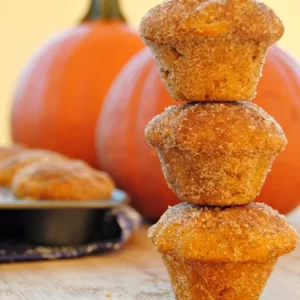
[
  {"x": 25, "y": 25},
  {"x": 90, "y": 87}
]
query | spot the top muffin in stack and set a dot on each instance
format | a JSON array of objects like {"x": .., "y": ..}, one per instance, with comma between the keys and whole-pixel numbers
[{"x": 210, "y": 49}]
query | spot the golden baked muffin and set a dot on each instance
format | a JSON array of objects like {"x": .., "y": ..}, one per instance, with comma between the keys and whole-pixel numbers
[
  {"x": 210, "y": 49},
  {"x": 221, "y": 253},
  {"x": 8, "y": 151},
  {"x": 65, "y": 180},
  {"x": 12, "y": 164},
  {"x": 215, "y": 153}
]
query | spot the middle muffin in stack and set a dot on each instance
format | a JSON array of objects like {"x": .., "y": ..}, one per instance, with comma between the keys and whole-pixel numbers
[{"x": 216, "y": 153}]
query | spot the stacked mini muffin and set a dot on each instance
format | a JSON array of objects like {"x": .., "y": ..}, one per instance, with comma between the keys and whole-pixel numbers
[{"x": 216, "y": 149}]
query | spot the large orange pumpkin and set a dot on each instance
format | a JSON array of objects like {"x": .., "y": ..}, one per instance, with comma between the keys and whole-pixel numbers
[
  {"x": 138, "y": 95},
  {"x": 61, "y": 90}
]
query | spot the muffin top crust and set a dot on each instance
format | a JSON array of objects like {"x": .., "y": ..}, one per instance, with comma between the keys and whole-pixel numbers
[
  {"x": 176, "y": 21},
  {"x": 251, "y": 232},
  {"x": 223, "y": 127},
  {"x": 12, "y": 150},
  {"x": 13, "y": 163},
  {"x": 64, "y": 180}
]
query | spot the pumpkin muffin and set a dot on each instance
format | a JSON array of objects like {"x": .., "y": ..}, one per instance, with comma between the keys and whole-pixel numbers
[
  {"x": 210, "y": 49},
  {"x": 6, "y": 152},
  {"x": 12, "y": 164},
  {"x": 216, "y": 153},
  {"x": 221, "y": 253},
  {"x": 64, "y": 180}
]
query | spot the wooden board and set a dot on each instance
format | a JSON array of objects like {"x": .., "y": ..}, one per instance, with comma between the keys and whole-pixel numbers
[{"x": 133, "y": 273}]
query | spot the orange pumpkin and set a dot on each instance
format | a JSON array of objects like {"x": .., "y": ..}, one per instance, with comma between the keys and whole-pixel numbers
[
  {"x": 137, "y": 95},
  {"x": 61, "y": 90}
]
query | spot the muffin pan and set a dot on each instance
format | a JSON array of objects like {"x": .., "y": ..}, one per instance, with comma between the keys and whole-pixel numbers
[{"x": 56, "y": 223}]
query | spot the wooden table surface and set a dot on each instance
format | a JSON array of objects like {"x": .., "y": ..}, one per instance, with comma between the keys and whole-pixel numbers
[{"x": 132, "y": 273}]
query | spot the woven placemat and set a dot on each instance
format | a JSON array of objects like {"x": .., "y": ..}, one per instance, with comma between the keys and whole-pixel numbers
[{"x": 120, "y": 222}]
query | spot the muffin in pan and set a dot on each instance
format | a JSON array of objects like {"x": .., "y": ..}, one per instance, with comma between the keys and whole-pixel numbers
[
  {"x": 215, "y": 153},
  {"x": 13, "y": 163},
  {"x": 210, "y": 49},
  {"x": 8, "y": 151},
  {"x": 221, "y": 253},
  {"x": 62, "y": 180}
]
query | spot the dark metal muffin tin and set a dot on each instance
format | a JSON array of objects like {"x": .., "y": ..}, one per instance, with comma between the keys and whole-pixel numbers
[{"x": 56, "y": 223}]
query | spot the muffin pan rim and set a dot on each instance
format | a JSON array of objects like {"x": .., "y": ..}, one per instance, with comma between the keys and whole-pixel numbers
[{"x": 9, "y": 201}]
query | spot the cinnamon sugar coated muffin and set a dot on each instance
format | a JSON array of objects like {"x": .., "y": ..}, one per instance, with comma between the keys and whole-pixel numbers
[
  {"x": 68, "y": 180},
  {"x": 8, "y": 151},
  {"x": 216, "y": 153},
  {"x": 221, "y": 253},
  {"x": 210, "y": 49},
  {"x": 13, "y": 163}
]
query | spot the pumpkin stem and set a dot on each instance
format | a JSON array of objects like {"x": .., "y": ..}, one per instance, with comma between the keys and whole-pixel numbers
[{"x": 104, "y": 10}]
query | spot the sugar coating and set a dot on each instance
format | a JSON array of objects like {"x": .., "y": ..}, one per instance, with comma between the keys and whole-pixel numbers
[
  {"x": 6, "y": 152},
  {"x": 210, "y": 70},
  {"x": 13, "y": 163},
  {"x": 253, "y": 232},
  {"x": 216, "y": 153},
  {"x": 217, "y": 128},
  {"x": 227, "y": 280},
  {"x": 64, "y": 180},
  {"x": 176, "y": 21},
  {"x": 208, "y": 49}
]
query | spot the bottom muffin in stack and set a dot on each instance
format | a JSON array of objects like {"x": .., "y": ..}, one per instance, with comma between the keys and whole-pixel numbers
[{"x": 221, "y": 253}]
